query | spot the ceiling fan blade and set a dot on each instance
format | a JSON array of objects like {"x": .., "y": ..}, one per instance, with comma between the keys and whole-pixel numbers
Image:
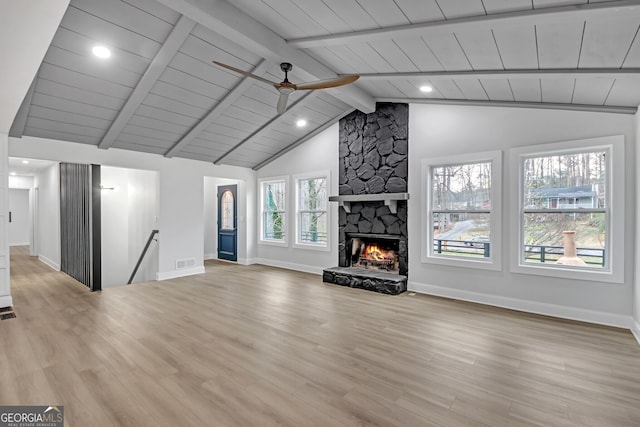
[
  {"x": 282, "y": 102},
  {"x": 328, "y": 83},
  {"x": 245, "y": 73}
]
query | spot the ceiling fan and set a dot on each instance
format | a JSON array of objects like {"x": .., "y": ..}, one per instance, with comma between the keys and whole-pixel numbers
[{"x": 286, "y": 88}]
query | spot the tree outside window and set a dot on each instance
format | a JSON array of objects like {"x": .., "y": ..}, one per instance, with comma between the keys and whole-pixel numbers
[
  {"x": 462, "y": 215},
  {"x": 461, "y": 210},
  {"x": 312, "y": 211},
  {"x": 274, "y": 213}
]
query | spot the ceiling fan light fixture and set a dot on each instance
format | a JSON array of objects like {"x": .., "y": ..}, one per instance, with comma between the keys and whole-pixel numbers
[
  {"x": 286, "y": 88},
  {"x": 301, "y": 123},
  {"x": 426, "y": 89},
  {"x": 102, "y": 52}
]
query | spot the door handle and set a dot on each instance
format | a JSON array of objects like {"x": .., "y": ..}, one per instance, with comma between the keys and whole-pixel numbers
[{"x": 9, "y": 216}]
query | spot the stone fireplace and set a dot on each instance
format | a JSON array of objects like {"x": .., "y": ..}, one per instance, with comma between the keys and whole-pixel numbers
[{"x": 372, "y": 247}]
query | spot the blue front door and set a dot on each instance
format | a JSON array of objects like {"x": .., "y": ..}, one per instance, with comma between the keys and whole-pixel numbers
[{"x": 227, "y": 223}]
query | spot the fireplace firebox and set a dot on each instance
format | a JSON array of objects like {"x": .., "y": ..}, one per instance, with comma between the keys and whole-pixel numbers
[{"x": 373, "y": 251}]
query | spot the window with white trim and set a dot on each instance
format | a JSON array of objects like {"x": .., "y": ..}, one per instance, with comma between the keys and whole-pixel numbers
[
  {"x": 274, "y": 213},
  {"x": 462, "y": 216},
  {"x": 312, "y": 222},
  {"x": 570, "y": 209},
  {"x": 565, "y": 209}
]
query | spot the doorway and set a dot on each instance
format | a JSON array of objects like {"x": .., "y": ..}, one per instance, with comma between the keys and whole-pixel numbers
[
  {"x": 211, "y": 237},
  {"x": 19, "y": 219},
  {"x": 129, "y": 213},
  {"x": 228, "y": 222}
]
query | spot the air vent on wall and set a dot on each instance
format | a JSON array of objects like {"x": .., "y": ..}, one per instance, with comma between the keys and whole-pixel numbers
[{"x": 185, "y": 263}]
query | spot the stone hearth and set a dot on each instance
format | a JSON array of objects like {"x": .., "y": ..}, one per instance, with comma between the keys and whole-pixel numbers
[{"x": 355, "y": 277}]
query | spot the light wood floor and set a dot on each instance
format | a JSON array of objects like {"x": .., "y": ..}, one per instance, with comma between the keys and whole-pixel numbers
[{"x": 259, "y": 346}]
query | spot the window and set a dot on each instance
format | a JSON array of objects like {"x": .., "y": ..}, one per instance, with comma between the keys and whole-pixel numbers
[
  {"x": 463, "y": 209},
  {"x": 566, "y": 204},
  {"x": 311, "y": 216},
  {"x": 274, "y": 217},
  {"x": 227, "y": 211}
]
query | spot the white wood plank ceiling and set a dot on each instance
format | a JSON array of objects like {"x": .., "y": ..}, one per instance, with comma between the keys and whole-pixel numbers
[{"x": 160, "y": 93}]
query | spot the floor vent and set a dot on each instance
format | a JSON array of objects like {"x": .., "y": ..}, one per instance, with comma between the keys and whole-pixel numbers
[
  {"x": 185, "y": 263},
  {"x": 7, "y": 313}
]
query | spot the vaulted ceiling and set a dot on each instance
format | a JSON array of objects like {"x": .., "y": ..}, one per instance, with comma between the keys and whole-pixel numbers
[{"x": 159, "y": 92}]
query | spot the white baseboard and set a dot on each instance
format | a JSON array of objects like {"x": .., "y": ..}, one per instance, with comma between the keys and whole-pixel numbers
[
  {"x": 173, "y": 274},
  {"x": 210, "y": 256},
  {"x": 635, "y": 329},
  {"x": 6, "y": 301},
  {"x": 572, "y": 313},
  {"x": 288, "y": 265},
  {"x": 48, "y": 262},
  {"x": 247, "y": 261}
]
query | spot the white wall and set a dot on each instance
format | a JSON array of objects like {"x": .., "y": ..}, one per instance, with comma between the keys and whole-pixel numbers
[
  {"x": 128, "y": 214},
  {"x": 211, "y": 214},
  {"x": 47, "y": 183},
  {"x": 114, "y": 215},
  {"x": 636, "y": 282},
  {"x": 437, "y": 131},
  {"x": 316, "y": 155},
  {"x": 210, "y": 218},
  {"x": 142, "y": 189},
  {"x": 5, "y": 284},
  {"x": 181, "y": 189},
  {"x": 20, "y": 181}
]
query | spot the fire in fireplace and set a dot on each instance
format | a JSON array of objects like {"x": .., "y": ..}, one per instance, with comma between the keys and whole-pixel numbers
[{"x": 375, "y": 252}]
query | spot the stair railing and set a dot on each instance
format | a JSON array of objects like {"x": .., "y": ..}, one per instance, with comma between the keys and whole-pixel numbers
[{"x": 144, "y": 252}]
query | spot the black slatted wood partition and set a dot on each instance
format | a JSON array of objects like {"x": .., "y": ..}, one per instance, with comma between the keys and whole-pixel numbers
[{"x": 80, "y": 223}]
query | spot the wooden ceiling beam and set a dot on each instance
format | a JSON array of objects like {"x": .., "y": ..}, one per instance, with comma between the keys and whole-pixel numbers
[
  {"x": 550, "y": 15},
  {"x": 517, "y": 104},
  {"x": 167, "y": 51},
  {"x": 571, "y": 73}
]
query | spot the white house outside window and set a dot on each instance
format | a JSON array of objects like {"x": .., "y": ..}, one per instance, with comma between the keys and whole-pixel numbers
[
  {"x": 274, "y": 218},
  {"x": 311, "y": 216},
  {"x": 463, "y": 208}
]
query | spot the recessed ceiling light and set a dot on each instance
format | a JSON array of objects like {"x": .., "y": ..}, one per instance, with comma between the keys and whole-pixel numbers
[
  {"x": 301, "y": 123},
  {"x": 426, "y": 89},
  {"x": 25, "y": 162},
  {"x": 101, "y": 52},
  {"x": 13, "y": 174}
]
